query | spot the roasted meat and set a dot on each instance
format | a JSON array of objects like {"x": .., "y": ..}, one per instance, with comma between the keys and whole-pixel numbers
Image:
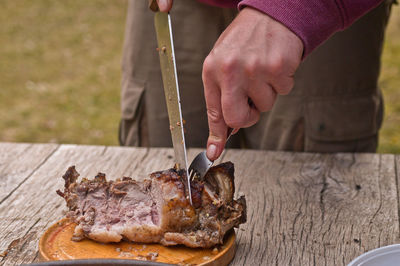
[{"x": 156, "y": 209}]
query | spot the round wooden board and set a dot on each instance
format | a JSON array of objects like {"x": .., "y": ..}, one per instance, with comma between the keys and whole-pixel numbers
[{"x": 56, "y": 244}]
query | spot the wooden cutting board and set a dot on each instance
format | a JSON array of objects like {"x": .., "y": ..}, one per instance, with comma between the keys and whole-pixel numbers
[{"x": 56, "y": 244}]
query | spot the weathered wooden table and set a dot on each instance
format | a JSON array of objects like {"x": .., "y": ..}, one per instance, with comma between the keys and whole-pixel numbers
[{"x": 303, "y": 209}]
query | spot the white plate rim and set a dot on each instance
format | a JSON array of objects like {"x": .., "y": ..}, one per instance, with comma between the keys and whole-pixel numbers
[{"x": 363, "y": 258}]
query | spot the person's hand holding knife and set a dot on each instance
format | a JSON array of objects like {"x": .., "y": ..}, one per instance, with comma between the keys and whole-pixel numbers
[{"x": 252, "y": 62}]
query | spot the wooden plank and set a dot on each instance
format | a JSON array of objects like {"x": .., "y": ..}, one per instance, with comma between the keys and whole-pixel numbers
[
  {"x": 18, "y": 162},
  {"x": 27, "y": 213},
  {"x": 302, "y": 208},
  {"x": 35, "y": 206},
  {"x": 310, "y": 209}
]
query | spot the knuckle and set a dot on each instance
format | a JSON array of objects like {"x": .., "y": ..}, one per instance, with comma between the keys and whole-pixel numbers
[
  {"x": 254, "y": 119},
  {"x": 290, "y": 85},
  {"x": 244, "y": 120},
  {"x": 208, "y": 65},
  {"x": 268, "y": 102},
  {"x": 213, "y": 115},
  {"x": 252, "y": 66},
  {"x": 285, "y": 88},
  {"x": 227, "y": 65},
  {"x": 265, "y": 107},
  {"x": 236, "y": 121},
  {"x": 235, "y": 124},
  {"x": 268, "y": 105},
  {"x": 276, "y": 65}
]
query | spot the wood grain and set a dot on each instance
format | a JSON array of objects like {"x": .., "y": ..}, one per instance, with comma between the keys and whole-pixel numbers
[
  {"x": 18, "y": 162},
  {"x": 26, "y": 214},
  {"x": 310, "y": 209},
  {"x": 303, "y": 209}
]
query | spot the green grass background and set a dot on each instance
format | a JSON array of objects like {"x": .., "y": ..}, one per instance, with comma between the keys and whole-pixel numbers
[{"x": 60, "y": 72}]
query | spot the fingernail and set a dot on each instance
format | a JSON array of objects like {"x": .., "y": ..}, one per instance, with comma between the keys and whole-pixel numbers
[
  {"x": 211, "y": 151},
  {"x": 163, "y": 4}
]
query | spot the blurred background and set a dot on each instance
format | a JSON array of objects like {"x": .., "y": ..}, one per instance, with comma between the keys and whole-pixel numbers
[{"x": 60, "y": 72}]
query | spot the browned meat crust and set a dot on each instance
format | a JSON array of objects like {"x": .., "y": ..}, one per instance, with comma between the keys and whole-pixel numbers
[{"x": 155, "y": 210}]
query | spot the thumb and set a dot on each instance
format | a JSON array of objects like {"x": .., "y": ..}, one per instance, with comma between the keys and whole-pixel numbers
[
  {"x": 215, "y": 145},
  {"x": 164, "y": 5},
  {"x": 216, "y": 124}
]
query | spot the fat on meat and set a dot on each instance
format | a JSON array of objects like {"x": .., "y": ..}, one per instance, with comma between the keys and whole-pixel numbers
[{"x": 155, "y": 210}]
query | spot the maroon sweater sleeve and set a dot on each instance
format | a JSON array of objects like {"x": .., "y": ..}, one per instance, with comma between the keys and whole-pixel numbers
[
  {"x": 221, "y": 3},
  {"x": 313, "y": 21}
]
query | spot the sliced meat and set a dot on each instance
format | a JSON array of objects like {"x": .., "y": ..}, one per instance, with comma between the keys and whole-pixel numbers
[{"x": 155, "y": 210}]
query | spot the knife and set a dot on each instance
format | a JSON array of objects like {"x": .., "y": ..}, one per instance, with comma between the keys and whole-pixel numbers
[{"x": 162, "y": 22}]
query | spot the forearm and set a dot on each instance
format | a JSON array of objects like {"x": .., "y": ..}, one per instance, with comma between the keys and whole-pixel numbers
[{"x": 313, "y": 21}]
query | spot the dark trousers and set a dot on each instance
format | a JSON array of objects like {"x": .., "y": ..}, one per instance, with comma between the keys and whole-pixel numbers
[{"x": 335, "y": 106}]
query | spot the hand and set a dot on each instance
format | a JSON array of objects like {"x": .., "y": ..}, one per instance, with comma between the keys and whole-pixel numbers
[
  {"x": 165, "y": 5},
  {"x": 253, "y": 60}
]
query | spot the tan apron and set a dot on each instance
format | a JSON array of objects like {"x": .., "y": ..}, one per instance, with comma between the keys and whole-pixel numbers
[{"x": 336, "y": 104}]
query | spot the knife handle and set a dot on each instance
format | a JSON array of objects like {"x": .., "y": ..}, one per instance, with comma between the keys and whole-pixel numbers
[{"x": 153, "y": 5}]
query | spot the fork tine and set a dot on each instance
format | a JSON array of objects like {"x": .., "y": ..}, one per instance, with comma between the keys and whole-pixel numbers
[
  {"x": 191, "y": 174},
  {"x": 201, "y": 164}
]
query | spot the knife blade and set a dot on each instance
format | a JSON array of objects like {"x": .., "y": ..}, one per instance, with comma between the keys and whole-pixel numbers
[{"x": 162, "y": 22}]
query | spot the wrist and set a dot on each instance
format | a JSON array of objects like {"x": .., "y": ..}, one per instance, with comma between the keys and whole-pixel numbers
[{"x": 272, "y": 27}]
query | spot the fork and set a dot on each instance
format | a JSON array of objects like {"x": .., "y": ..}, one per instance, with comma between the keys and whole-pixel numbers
[{"x": 200, "y": 164}]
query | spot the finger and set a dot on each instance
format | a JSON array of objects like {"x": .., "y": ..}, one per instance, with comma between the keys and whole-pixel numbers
[
  {"x": 236, "y": 130},
  {"x": 236, "y": 110},
  {"x": 262, "y": 96},
  {"x": 283, "y": 85},
  {"x": 164, "y": 5},
  {"x": 216, "y": 124}
]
